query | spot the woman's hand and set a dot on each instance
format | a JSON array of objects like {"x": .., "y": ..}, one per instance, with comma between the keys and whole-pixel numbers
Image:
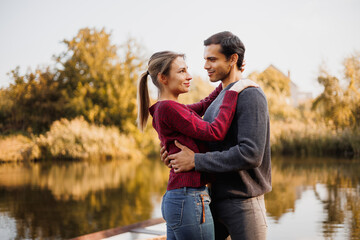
[{"x": 242, "y": 84}]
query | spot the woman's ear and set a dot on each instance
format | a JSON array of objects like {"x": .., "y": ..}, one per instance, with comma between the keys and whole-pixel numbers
[{"x": 162, "y": 78}]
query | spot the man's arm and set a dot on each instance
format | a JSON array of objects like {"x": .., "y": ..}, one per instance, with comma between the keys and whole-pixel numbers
[{"x": 252, "y": 120}]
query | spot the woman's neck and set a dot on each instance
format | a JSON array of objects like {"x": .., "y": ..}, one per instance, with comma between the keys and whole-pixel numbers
[{"x": 168, "y": 96}]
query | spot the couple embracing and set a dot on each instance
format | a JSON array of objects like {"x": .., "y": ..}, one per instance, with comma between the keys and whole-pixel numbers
[{"x": 222, "y": 158}]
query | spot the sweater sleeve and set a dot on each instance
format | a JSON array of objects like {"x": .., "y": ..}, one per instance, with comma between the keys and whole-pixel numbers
[
  {"x": 252, "y": 122},
  {"x": 182, "y": 119},
  {"x": 200, "y": 107}
]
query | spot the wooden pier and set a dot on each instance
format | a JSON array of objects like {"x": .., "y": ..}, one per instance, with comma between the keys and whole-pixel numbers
[{"x": 153, "y": 229}]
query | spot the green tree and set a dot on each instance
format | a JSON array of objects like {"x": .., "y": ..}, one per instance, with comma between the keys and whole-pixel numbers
[
  {"x": 35, "y": 101},
  {"x": 100, "y": 85},
  {"x": 5, "y": 110}
]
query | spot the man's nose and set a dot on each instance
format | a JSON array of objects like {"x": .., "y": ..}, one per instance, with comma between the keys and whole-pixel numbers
[{"x": 207, "y": 65}]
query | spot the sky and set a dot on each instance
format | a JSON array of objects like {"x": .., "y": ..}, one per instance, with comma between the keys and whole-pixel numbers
[{"x": 296, "y": 36}]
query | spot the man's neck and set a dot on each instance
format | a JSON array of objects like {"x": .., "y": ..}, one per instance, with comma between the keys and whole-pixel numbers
[{"x": 234, "y": 75}]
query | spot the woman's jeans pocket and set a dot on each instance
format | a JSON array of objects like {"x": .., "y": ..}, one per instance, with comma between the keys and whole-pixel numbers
[
  {"x": 187, "y": 214},
  {"x": 172, "y": 210}
]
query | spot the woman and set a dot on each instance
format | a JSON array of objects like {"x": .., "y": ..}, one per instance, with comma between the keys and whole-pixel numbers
[{"x": 185, "y": 205}]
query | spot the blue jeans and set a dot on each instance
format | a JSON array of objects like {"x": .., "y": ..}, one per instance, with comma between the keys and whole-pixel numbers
[{"x": 187, "y": 214}]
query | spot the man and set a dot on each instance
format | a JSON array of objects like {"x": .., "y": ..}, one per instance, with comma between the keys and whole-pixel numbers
[{"x": 242, "y": 162}]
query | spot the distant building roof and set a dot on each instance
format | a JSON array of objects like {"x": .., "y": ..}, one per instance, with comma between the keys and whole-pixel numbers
[{"x": 297, "y": 96}]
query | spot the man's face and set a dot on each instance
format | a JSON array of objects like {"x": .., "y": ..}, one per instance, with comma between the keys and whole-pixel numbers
[{"x": 216, "y": 64}]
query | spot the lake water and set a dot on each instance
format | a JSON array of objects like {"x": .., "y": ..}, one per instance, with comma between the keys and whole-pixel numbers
[{"x": 312, "y": 198}]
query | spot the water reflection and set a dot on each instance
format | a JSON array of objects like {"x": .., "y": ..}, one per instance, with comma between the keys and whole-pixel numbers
[
  {"x": 319, "y": 197},
  {"x": 335, "y": 183},
  {"x": 70, "y": 199}
]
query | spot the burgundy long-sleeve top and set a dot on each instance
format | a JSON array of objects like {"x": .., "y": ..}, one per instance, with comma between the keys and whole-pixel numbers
[{"x": 176, "y": 121}]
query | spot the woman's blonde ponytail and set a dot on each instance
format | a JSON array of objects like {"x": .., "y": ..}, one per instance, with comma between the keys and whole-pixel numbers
[{"x": 143, "y": 102}]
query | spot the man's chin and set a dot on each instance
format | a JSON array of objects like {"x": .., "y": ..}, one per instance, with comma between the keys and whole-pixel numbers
[{"x": 214, "y": 80}]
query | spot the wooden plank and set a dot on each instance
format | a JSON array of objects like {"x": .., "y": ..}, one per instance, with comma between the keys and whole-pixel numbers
[
  {"x": 115, "y": 231},
  {"x": 147, "y": 231},
  {"x": 157, "y": 238}
]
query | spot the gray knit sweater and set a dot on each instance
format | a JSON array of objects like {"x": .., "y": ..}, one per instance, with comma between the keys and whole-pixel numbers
[{"x": 242, "y": 162}]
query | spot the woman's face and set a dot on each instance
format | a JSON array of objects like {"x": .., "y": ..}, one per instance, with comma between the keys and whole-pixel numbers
[{"x": 179, "y": 77}]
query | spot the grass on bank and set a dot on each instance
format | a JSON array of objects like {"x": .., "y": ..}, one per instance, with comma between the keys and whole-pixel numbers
[
  {"x": 75, "y": 140},
  {"x": 300, "y": 139},
  {"x": 15, "y": 148}
]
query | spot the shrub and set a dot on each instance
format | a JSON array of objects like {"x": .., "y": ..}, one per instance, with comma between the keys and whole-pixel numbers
[
  {"x": 77, "y": 139},
  {"x": 18, "y": 148}
]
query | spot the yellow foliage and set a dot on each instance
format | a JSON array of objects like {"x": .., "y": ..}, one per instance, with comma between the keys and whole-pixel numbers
[
  {"x": 77, "y": 139},
  {"x": 18, "y": 148},
  {"x": 276, "y": 86}
]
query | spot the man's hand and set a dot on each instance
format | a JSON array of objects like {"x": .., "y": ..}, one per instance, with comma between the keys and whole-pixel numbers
[
  {"x": 164, "y": 156},
  {"x": 182, "y": 161}
]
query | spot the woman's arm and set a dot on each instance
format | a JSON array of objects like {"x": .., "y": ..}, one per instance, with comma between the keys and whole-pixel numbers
[
  {"x": 183, "y": 120},
  {"x": 200, "y": 107}
]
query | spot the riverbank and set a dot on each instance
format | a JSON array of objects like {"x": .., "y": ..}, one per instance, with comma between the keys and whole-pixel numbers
[
  {"x": 300, "y": 139},
  {"x": 80, "y": 140}
]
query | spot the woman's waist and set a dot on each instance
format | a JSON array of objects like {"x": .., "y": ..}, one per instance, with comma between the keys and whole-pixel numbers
[
  {"x": 188, "y": 174},
  {"x": 185, "y": 179},
  {"x": 188, "y": 190}
]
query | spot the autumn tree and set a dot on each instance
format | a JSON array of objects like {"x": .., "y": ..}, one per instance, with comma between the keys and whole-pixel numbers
[
  {"x": 352, "y": 77},
  {"x": 330, "y": 103},
  {"x": 339, "y": 105},
  {"x": 101, "y": 85},
  {"x": 277, "y": 89},
  {"x": 32, "y": 102},
  {"x": 5, "y": 110},
  {"x": 92, "y": 78}
]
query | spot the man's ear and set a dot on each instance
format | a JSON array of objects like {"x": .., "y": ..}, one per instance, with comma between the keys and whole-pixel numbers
[
  {"x": 233, "y": 59},
  {"x": 162, "y": 78}
]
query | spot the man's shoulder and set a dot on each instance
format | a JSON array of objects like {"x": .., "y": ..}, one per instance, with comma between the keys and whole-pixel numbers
[
  {"x": 251, "y": 101},
  {"x": 251, "y": 93}
]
